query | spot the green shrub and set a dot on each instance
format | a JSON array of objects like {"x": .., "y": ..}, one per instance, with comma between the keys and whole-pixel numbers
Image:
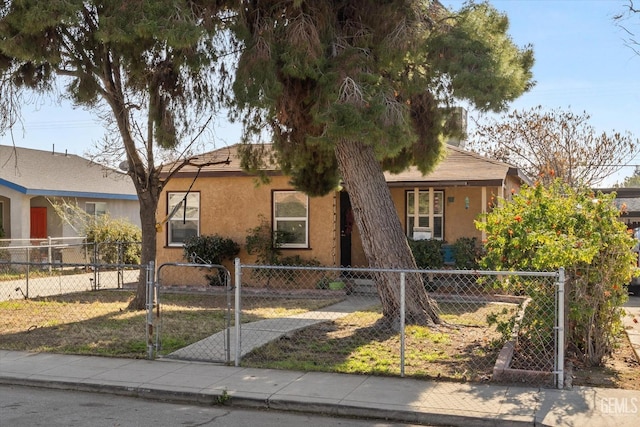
[
  {"x": 298, "y": 261},
  {"x": 467, "y": 253},
  {"x": 263, "y": 242},
  {"x": 211, "y": 249},
  {"x": 545, "y": 228},
  {"x": 117, "y": 240},
  {"x": 427, "y": 253}
]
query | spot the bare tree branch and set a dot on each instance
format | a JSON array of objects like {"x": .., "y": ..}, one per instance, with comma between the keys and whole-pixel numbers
[{"x": 556, "y": 143}]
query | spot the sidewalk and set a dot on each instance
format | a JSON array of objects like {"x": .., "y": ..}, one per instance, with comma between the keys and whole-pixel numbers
[{"x": 363, "y": 396}]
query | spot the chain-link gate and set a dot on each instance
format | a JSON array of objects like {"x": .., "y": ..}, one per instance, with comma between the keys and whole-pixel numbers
[{"x": 190, "y": 320}]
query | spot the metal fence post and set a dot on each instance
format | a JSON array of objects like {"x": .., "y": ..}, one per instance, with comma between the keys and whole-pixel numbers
[
  {"x": 227, "y": 280},
  {"x": 402, "y": 320},
  {"x": 560, "y": 330},
  {"x": 95, "y": 266},
  {"x": 238, "y": 282},
  {"x": 27, "y": 273},
  {"x": 49, "y": 254}
]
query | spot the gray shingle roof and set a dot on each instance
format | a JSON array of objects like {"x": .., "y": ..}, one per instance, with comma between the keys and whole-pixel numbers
[
  {"x": 460, "y": 167},
  {"x": 45, "y": 173}
]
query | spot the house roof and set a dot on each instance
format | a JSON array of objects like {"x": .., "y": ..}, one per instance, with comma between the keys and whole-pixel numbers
[
  {"x": 47, "y": 173},
  {"x": 459, "y": 167},
  {"x": 215, "y": 166},
  {"x": 628, "y": 196}
]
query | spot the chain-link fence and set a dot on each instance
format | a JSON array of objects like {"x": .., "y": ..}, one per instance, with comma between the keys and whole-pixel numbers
[
  {"x": 67, "y": 295},
  {"x": 190, "y": 321},
  {"x": 73, "y": 311},
  {"x": 66, "y": 250},
  {"x": 448, "y": 324},
  {"x": 34, "y": 271}
]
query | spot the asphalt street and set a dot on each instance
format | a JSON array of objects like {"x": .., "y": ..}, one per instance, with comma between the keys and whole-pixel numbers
[{"x": 30, "y": 407}]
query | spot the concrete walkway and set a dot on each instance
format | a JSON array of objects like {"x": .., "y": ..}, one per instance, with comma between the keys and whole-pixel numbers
[
  {"x": 59, "y": 284},
  {"x": 257, "y": 334}
]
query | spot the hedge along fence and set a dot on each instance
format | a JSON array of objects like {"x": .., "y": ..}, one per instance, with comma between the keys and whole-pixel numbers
[{"x": 544, "y": 228}]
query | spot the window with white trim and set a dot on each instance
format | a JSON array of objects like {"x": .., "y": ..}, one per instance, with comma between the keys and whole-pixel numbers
[
  {"x": 95, "y": 209},
  {"x": 184, "y": 217},
  {"x": 422, "y": 215},
  {"x": 291, "y": 218}
]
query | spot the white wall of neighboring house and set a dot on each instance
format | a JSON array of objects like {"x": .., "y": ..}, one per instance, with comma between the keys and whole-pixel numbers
[{"x": 35, "y": 178}]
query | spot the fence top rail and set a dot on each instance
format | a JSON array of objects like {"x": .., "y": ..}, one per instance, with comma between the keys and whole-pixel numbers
[
  {"x": 191, "y": 264},
  {"x": 44, "y": 239},
  {"x": 43, "y": 244},
  {"x": 97, "y": 266},
  {"x": 54, "y": 246},
  {"x": 400, "y": 270}
]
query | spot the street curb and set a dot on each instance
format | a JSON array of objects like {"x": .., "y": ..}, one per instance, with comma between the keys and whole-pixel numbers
[
  {"x": 284, "y": 405},
  {"x": 365, "y": 412}
]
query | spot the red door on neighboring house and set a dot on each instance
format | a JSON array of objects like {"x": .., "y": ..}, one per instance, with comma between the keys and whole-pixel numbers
[{"x": 38, "y": 223}]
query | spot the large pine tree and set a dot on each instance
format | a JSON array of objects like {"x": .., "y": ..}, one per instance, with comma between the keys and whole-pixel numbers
[{"x": 350, "y": 87}]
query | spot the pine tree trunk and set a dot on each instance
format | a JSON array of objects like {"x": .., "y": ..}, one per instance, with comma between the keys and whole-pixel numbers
[
  {"x": 383, "y": 240},
  {"x": 148, "y": 206}
]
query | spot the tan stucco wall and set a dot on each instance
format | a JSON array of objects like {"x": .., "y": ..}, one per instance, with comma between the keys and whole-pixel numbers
[
  {"x": 230, "y": 206},
  {"x": 458, "y": 220}
]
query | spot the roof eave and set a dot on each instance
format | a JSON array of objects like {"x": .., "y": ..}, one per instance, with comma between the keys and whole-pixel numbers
[
  {"x": 447, "y": 183},
  {"x": 512, "y": 171}
]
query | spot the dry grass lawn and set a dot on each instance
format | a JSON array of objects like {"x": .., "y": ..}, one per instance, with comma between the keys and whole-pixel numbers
[{"x": 464, "y": 349}]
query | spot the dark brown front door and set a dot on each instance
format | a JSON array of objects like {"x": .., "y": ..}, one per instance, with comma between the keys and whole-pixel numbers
[
  {"x": 38, "y": 223},
  {"x": 346, "y": 228}
]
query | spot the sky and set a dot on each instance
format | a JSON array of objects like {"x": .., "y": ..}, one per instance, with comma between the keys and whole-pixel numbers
[{"x": 582, "y": 64}]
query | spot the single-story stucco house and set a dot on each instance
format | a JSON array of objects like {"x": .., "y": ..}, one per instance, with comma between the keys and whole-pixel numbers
[
  {"x": 226, "y": 200},
  {"x": 30, "y": 180}
]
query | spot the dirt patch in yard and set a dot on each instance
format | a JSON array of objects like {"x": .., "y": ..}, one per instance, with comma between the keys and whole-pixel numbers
[{"x": 620, "y": 370}]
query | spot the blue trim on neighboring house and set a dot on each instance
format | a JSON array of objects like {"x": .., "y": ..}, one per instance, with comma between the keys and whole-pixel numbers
[
  {"x": 57, "y": 193},
  {"x": 12, "y": 186}
]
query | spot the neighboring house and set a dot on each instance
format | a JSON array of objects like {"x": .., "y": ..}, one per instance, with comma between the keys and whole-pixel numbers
[
  {"x": 31, "y": 179},
  {"x": 226, "y": 200},
  {"x": 628, "y": 200}
]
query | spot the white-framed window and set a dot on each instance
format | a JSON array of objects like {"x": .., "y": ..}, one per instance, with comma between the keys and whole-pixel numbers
[
  {"x": 291, "y": 217},
  {"x": 184, "y": 217},
  {"x": 419, "y": 214},
  {"x": 95, "y": 209}
]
